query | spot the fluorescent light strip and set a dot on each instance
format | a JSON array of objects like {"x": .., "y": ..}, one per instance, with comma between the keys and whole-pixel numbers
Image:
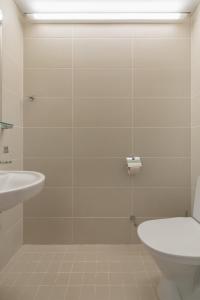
[
  {"x": 107, "y": 17},
  {"x": 90, "y": 6},
  {"x": 1, "y": 16}
]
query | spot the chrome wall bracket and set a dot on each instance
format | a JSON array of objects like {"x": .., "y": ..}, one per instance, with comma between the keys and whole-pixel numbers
[{"x": 4, "y": 125}]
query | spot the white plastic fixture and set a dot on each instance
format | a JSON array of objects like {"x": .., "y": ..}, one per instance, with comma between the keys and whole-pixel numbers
[
  {"x": 1, "y": 16},
  {"x": 19, "y": 186},
  {"x": 109, "y": 17}
]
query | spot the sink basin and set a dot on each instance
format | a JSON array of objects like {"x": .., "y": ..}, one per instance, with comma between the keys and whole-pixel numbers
[{"x": 19, "y": 186}]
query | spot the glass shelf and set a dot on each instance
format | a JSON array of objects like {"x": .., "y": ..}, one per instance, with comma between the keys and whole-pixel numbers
[{"x": 4, "y": 125}]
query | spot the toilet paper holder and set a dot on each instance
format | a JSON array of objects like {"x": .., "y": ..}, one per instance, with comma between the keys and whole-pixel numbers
[{"x": 134, "y": 164}]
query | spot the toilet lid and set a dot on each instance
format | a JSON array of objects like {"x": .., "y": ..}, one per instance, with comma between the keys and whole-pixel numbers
[{"x": 175, "y": 236}]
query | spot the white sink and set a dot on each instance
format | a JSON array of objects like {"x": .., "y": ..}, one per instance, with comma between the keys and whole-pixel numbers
[{"x": 19, "y": 186}]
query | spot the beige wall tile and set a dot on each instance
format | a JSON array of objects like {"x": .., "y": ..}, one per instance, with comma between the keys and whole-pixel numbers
[
  {"x": 181, "y": 30},
  {"x": 12, "y": 80},
  {"x": 12, "y": 139},
  {"x": 102, "y": 142},
  {"x": 195, "y": 150},
  {"x": 161, "y": 112},
  {"x": 195, "y": 92},
  {"x": 105, "y": 88},
  {"x": 195, "y": 111},
  {"x": 102, "y": 231},
  {"x": 161, "y": 83},
  {"x": 59, "y": 113},
  {"x": 37, "y": 54},
  {"x": 102, "y": 202},
  {"x": 48, "y": 30},
  {"x": 47, "y": 142},
  {"x": 161, "y": 53},
  {"x": 102, "y": 83},
  {"x": 48, "y": 83},
  {"x": 52, "y": 231},
  {"x": 101, "y": 53},
  {"x": 158, "y": 202},
  {"x": 51, "y": 203},
  {"x": 58, "y": 172},
  {"x": 100, "y": 172},
  {"x": 103, "y": 30},
  {"x": 195, "y": 81},
  {"x": 162, "y": 141},
  {"x": 12, "y": 109},
  {"x": 164, "y": 172},
  {"x": 102, "y": 112},
  {"x": 11, "y": 228}
]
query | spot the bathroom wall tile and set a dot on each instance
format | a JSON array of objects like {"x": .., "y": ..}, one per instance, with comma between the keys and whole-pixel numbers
[
  {"x": 59, "y": 113},
  {"x": 161, "y": 112},
  {"x": 37, "y": 54},
  {"x": 195, "y": 148},
  {"x": 12, "y": 80},
  {"x": 161, "y": 83},
  {"x": 163, "y": 30},
  {"x": 164, "y": 172},
  {"x": 195, "y": 64},
  {"x": 102, "y": 142},
  {"x": 58, "y": 171},
  {"x": 100, "y": 172},
  {"x": 195, "y": 93},
  {"x": 101, "y": 53},
  {"x": 13, "y": 31},
  {"x": 17, "y": 164},
  {"x": 50, "y": 203},
  {"x": 90, "y": 195},
  {"x": 103, "y": 30},
  {"x": 47, "y": 142},
  {"x": 102, "y": 202},
  {"x": 52, "y": 231},
  {"x": 102, "y": 112},
  {"x": 195, "y": 111},
  {"x": 102, "y": 83},
  {"x": 48, "y": 83},
  {"x": 158, "y": 202},
  {"x": 161, "y": 53},
  {"x": 12, "y": 108},
  {"x": 195, "y": 81},
  {"x": 48, "y": 30},
  {"x": 102, "y": 231},
  {"x": 13, "y": 139},
  {"x": 162, "y": 141}
]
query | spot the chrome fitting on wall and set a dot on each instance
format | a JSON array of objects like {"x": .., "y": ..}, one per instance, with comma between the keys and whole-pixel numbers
[{"x": 5, "y": 162}]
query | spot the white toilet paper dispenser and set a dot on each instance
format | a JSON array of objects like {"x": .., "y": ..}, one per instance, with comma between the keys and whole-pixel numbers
[{"x": 134, "y": 164}]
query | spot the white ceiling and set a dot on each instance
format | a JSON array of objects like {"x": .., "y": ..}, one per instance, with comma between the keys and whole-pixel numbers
[{"x": 30, "y": 6}]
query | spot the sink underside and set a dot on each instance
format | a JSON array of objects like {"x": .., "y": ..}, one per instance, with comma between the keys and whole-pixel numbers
[{"x": 19, "y": 186}]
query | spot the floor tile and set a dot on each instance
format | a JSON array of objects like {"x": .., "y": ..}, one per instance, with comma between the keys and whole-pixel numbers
[{"x": 80, "y": 272}]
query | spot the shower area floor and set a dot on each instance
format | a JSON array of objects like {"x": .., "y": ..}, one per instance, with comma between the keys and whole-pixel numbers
[{"x": 80, "y": 272}]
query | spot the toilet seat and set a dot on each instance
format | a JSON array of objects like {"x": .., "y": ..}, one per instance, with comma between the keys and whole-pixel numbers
[{"x": 174, "y": 237}]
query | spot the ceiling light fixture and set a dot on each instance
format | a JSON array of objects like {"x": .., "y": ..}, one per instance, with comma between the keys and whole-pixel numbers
[
  {"x": 1, "y": 16},
  {"x": 106, "y": 6},
  {"x": 109, "y": 17}
]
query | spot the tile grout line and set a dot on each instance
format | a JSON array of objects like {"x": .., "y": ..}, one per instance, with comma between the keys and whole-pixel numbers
[
  {"x": 73, "y": 134},
  {"x": 132, "y": 133}
]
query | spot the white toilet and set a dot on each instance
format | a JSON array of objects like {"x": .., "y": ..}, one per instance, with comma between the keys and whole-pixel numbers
[{"x": 175, "y": 245}]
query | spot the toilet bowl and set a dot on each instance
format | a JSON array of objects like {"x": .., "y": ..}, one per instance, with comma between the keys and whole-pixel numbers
[{"x": 175, "y": 246}]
